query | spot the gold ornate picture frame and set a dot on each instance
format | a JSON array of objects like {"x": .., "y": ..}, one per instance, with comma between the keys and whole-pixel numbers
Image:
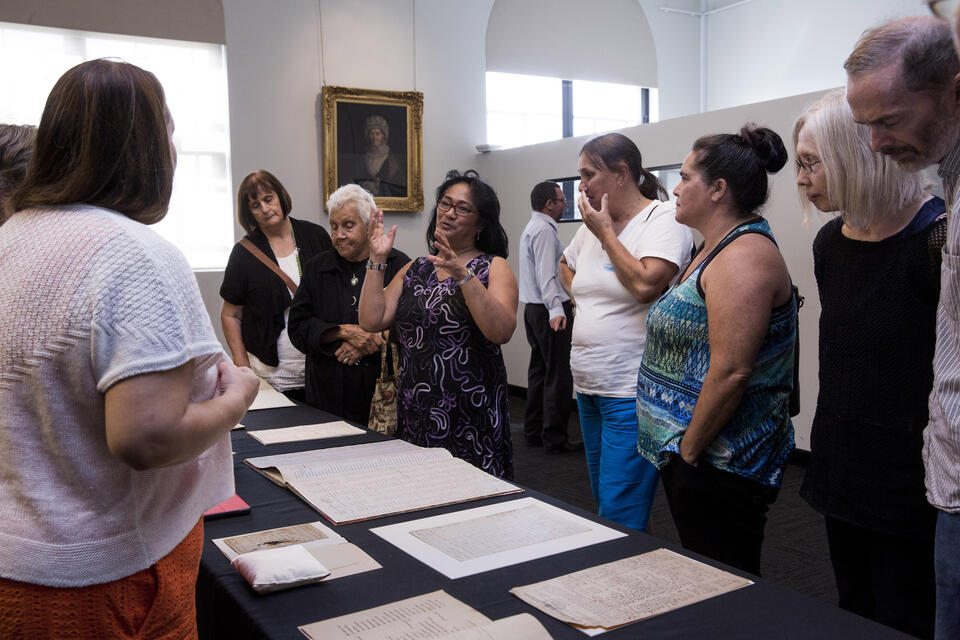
[{"x": 374, "y": 138}]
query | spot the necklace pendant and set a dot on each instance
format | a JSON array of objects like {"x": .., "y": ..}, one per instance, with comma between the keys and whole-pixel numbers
[{"x": 354, "y": 281}]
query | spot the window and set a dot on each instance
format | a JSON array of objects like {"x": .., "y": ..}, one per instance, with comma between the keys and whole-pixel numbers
[
  {"x": 523, "y": 109},
  {"x": 194, "y": 78}
]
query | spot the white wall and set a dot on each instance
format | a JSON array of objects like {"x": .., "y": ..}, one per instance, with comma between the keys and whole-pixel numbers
[
  {"x": 774, "y": 48},
  {"x": 275, "y": 72},
  {"x": 513, "y": 172}
]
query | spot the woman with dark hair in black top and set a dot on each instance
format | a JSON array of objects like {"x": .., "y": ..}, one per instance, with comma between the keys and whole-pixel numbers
[{"x": 255, "y": 298}]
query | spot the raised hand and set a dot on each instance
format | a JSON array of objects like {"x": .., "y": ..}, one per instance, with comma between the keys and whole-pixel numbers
[
  {"x": 380, "y": 243},
  {"x": 446, "y": 257},
  {"x": 598, "y": 222}
]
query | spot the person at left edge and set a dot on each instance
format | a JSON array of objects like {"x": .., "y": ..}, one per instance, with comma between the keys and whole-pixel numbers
[
  {"x": 255, "y": 300},
  {"x": 548, "y": 320},
  {"x": 343, "y": 360}
]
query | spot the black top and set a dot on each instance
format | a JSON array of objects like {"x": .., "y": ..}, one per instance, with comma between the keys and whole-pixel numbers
[
  {"x": 247, "y": 282},
  {"x": 877, "y": 337},
  {"x": 328, "y": 296}
]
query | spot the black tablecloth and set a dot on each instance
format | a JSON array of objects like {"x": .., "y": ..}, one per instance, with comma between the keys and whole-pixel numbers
[{"x": 228, "y": 608}]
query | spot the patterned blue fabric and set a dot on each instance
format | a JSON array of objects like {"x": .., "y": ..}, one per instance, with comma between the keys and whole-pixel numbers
[
  {"x": 758, "y": 438},
  {"x": 452, "y": 383}
]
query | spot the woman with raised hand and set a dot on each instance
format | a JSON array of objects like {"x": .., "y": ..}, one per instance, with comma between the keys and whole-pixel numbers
[
  {"x": 450, "y": 312},
  {"x": 629, "y": 249},
  {"x": 116, "y": 399},
  {"x": 877, "y": 264},
  {"x": 714, "y": 384}
]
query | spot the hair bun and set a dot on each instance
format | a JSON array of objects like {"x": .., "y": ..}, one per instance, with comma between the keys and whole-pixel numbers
[{"x": 771, "y": 154}]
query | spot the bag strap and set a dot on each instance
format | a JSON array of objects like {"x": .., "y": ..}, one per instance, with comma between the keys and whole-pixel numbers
[
  {"x": 388, "y": 359},
  {"x": 273, "y": 266}
]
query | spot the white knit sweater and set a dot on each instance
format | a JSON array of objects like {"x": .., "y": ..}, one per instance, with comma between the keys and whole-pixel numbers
[{"x": 88, "y": 297}]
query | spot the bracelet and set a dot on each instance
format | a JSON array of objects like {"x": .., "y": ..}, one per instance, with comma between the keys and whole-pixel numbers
[
  {"x": 466, "y": 278},
  {"x": 374, "y": 266}
]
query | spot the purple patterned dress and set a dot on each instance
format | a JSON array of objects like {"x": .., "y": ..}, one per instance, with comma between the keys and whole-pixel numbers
[{"x": 452, "y": 384}]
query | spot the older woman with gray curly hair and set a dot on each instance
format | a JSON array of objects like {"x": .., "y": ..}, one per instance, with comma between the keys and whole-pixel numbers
[{"x": 343, "y": 360}]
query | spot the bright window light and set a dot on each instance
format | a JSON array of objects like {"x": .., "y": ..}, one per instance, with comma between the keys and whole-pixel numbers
[
  {"x": 194, "y": 78},
  {"x": 524, "y": 109}
]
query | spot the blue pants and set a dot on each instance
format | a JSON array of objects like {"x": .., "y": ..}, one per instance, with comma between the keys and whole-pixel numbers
[
  {"x": 623, "y": 482},
  {"x": 947, "y": 566}
]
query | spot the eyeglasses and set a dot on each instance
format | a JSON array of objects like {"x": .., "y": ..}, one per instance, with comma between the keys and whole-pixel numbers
[
  {"x": 461, "y": 209},
  {"x": 562, "y": 201},
  {"x": 807, "y": 166},
  {"x": 942, "y": 8}
]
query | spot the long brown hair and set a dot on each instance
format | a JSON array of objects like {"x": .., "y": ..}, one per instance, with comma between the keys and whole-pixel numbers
[
  {"x": 610, "y": 149},
  {"x": 102, "y": 140}
]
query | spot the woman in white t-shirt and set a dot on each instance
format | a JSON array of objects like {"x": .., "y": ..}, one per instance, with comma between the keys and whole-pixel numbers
[{"x": 629, "y": 249}]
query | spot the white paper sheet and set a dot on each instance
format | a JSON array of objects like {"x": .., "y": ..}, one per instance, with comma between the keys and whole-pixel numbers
[
  {"x": 435, "y": 615},
  {"x": 628, "y": 590},
  {"x": 270, "y": 398},
  {"x": 305, "y": 432},
  {"x": 472, "y": 541},
  {"x": 348, "y": 484}
]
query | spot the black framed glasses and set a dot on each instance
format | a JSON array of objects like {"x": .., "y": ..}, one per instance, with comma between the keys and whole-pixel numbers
[
  {"x": 562, "y": 201},
  {"x": 461, "y": 209},
  {"x": 943, "y": 8},
  {"x": 806, "y": 166}
]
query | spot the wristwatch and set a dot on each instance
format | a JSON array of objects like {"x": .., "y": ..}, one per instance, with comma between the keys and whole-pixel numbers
[
  {"x": 375, "y": 266},
  {"x": 466, "y": 278}
]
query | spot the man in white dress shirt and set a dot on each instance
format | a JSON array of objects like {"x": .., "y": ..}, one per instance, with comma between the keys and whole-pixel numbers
[{"x": 548, "y": 318}]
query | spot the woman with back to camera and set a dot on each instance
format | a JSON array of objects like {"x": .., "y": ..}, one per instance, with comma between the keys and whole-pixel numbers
[
  {"x": 714, "y": 384},
  {"x": 878, "y": 272},
  {"x": 450, "y": 312},
  {"x": 256, "y": 300},
  {"x": 116, "y": 399},
  {"x": 627, "y": 252},
  {"x": 343, "y": 360}
]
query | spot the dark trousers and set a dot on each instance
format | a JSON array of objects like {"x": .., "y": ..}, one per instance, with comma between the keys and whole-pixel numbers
[
  {"x": 549, "y": 381},
  {"x": 718, "y": 514},
  {"x": 884, "y": 577}
]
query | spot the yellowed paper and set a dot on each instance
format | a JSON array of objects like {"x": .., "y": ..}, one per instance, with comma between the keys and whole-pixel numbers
[
  {"x": 358, "y": 482},
  {"x": 628, "y": 590},
  {"x": 269, "y": 398},
  {"x": 432, "y": 615},
  {"x": 305, "y": 432}
]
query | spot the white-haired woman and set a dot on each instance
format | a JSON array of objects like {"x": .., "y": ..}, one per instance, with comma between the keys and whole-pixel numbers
[
  {"x": 343, "y": 360},
  {"x": 878, "y": 273}
]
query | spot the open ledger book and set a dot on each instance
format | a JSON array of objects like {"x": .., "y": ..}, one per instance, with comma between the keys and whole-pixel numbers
[{"x": 364, "y": 481}]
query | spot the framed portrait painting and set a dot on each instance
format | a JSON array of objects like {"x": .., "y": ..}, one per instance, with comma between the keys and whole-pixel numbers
[{"x": 373, "y": 138}]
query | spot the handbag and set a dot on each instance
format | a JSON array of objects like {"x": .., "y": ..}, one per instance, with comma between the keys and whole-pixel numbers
[{"x": 383, "y": 406}]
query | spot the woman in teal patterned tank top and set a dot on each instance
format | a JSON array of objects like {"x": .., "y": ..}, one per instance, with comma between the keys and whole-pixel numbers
[{"x": 714, "y": 384}]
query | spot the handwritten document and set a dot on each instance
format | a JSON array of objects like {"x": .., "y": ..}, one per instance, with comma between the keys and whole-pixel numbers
[
  {"x": 358, "y": 482},
  {"x": 269, "y": 398},
  {"x": 628, "y": 590},
  {"x": 476, "y": 540},
  {"x": 432, "y": 615},
  {"x": 274, "y": 538},
  {"x": 306, "y": 432}
]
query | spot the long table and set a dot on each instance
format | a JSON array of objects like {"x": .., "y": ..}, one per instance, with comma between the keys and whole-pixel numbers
[{"x": 228, "y": 608}]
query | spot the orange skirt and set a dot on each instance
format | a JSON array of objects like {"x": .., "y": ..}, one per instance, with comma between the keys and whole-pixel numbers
[{"x": 156, "y": 603}]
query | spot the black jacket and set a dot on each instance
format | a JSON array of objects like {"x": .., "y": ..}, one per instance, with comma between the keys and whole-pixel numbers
[
  {"x": 262, "y": 294},
  {"x": 326, "y": 299}
]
